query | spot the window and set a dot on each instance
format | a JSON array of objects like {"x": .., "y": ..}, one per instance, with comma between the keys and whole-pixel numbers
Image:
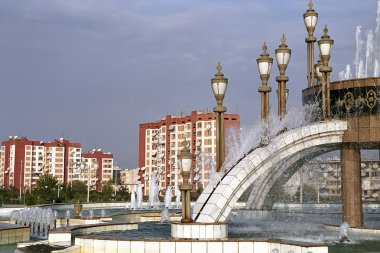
[{"x": 207, "y": 142}]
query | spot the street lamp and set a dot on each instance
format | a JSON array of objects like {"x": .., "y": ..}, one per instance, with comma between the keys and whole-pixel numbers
[
  {"x": 283, "y": 54},
  {"x": 325, "y": 46},
  {"x": 83, "y": 166},
  {"x": 185, "y": 161},
  {"x": 59, "y": 188},
  {"x": 310, "y": 18},
  {"x": 219, "y": 86},
  {"x": 264, "y": 64}
]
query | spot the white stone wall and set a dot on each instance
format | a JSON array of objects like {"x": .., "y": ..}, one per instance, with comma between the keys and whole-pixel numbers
[{"x": 187, "y": 246}]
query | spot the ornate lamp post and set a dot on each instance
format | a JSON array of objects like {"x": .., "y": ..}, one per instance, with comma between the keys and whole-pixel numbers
[
  {"x": 185, "y": 160},
  {"x": 265, "y": 64},
  {"x": 325, "y": 46},
  {"x": 219, "y": 86},
  {"x": 310, "y": 18},
  {"x": 283, "y": 54}
]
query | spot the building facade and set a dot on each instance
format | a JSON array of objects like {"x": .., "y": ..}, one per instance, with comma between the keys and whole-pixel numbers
[
  {"x": 23, "y": 161},
  {"x": 161, "y": 142},
  {"x": 129, "y": 178},
  {"x": 325, "y": 176},
  {"x": 100, "y": 175}
]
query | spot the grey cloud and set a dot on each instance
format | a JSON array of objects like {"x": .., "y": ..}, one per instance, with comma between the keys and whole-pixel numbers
[{"x": 96, "y": 69}]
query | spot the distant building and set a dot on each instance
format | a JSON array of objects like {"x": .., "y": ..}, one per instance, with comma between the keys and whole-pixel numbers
[
  {"x": 23, "y": 161},
  {"x": 128, "y": 178},
  {"x": 160, "y": 143},
  {"x": 62, "y": 156},
  {"x": 104, "y": 173},
  {"x": 325, "y": 177}
]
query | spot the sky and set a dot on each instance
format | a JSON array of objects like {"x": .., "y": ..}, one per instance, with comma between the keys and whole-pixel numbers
[{"x": 93, "y": 70}]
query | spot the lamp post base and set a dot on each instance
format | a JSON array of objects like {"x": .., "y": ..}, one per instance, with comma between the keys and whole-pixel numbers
[{"x": 186, "y": 220}]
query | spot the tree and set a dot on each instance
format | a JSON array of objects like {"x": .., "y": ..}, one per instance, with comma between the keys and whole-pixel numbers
[
  {"x": 123, "y": 194},
  {"x": 107, "y": 192},
  {"x": 46, "y": 188},
  {"x": 77, "y": 191},
  {"x": 8, "y": 195}
]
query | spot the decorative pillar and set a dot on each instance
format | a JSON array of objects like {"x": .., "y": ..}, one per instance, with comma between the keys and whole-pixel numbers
[
  {"x": 325, "y": 47},
  {"x": 310, "y": 19},
  {"x": 185, "y": 161},
  {"x": 265, "y": 64},
  {"x": 219, "y": 86},
  {"x": 351, "y": 185},
  {"x": 185, "y": 192},
  {"x": 283, "y": 54}
]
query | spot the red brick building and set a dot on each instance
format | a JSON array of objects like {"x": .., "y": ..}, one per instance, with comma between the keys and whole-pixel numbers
[
  {"x": 160, "y": 143},
  {"x": 105, "y": 168},
  {"x": 23, "y": 161}
]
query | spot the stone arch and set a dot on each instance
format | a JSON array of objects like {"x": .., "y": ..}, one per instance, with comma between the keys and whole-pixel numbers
[
  {"x": 215, "y": 203},
  {"x": 263, "y": 195}
]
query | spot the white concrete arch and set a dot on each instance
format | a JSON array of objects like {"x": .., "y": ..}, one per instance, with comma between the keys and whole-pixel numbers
[{"x": 215, "y": 204}]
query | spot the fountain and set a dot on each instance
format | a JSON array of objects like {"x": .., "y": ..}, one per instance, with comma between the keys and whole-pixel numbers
[
  {"x": 257, "y": 157},
  {"x": 367, "y": 55},
  {"x": 39, "y": 220},
  {"x": 91, "y": 214},
  {"x": 177, "y": 198},
  {"x": 133, "y": 200},
  {"x": 168, "y": 197},
  {"x": 165, "y": 215},
  {"x": 343, "y": 232},
  {"x": 139, "y": 196},
  {"x": 153, "y": 192}
]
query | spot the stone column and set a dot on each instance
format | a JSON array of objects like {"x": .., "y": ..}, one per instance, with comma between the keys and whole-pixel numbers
[{"x": 351, "y": 185}]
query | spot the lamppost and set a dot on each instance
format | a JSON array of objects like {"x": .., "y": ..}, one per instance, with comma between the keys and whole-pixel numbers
[
  {"x": 265, "y": 64},
  {"x": 20, "y": 178},
  {"x": 325, "y": 46},
  {"x": 310, "y": 18},
  {"x": 219, "y": 86},
  {"x": 83, "y": 166},
  {"x": 59, "y": 188},
  {"x": 185, "y": 160},
  {"x": 283, "y": 54}
]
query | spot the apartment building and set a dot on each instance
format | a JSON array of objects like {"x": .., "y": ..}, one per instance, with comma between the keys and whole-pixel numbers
[
  {"x": 161, "y": 142},
  {"x": 99, "y": 174},
  {"x": 325, "y": 177},
  {"x": 23, "y": 161},
  {"x": 129, "y": 178}
]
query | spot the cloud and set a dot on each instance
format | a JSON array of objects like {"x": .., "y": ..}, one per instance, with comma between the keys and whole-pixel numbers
[{"x": 95, "y": 69}]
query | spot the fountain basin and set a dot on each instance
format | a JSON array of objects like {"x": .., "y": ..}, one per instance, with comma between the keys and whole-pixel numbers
[
  {"x": 367, "y": 232},
  {"x": 10, "y": 234},
  {"x": 170, "y": 245},
  {"x": 201, "y": 231},
  {"x": 64, "y": 235}
]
